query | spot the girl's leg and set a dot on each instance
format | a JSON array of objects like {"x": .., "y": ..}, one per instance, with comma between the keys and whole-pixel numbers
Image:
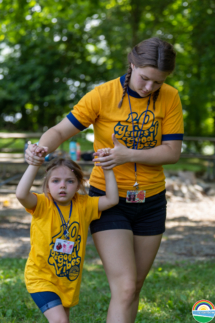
[
  {"x": 145, "y": 249},
  {"x": 50, "y": 305},
  {"x": 116, "y": 249},
  {"x": 57, "y": 314},
  {"x": 67, "y": 309}
]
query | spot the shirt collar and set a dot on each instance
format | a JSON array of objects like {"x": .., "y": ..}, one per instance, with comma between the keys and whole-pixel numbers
[{"x": 130, "y": 91}]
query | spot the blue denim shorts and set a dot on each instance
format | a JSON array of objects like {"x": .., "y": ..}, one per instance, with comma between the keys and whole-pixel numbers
[
  {"x": 144, "y": 219},
  {"x": 46, "y": 300}
]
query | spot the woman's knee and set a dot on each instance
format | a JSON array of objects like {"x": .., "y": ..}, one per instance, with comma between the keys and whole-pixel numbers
[
  {"x": 139, "y": 285},
  {"x": 125, "y": 291}
]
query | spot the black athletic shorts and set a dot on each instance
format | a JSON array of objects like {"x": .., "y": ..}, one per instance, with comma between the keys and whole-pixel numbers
[{"x": 144, "y": 219}]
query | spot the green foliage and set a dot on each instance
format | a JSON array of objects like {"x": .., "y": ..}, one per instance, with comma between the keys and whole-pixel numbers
[
  {"x": 59, "y": 50},
  {"x": 48, "y": 68},
  {"x": 167, "y": 296},
  {"x": 188, "y": 164}
]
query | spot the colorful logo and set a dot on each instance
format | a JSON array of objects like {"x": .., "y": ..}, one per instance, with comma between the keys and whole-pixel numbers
[{"x": 203, "y": 311}]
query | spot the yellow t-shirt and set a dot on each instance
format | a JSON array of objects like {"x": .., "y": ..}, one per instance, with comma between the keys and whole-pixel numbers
[
  {"x": 47, "y": 270},
  {"x": 100, "y": 108}
]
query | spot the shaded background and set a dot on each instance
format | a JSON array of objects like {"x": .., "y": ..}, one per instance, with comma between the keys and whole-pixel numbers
[{"x": 53, "y": 51}]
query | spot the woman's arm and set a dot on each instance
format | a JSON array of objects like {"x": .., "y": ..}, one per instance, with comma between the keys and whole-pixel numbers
[
  {"x": 23, "y": 194},
  {"x": 167, "y": 153},
  {"x": 50, "y": 141}
]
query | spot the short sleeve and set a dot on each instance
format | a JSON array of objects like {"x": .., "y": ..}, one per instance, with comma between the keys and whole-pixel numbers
[
  {"x": 41, "y": 207},
  {"x": 172, "y": 125},
  {"x": 92, "y": 208},
  {"x": 86, "y": 111}
]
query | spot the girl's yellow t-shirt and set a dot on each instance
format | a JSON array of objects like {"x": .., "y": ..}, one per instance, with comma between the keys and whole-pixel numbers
[{"x": 48, "y": 270}]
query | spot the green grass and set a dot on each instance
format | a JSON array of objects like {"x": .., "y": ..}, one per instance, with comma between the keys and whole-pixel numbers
[{"x": 168, "y": 294}]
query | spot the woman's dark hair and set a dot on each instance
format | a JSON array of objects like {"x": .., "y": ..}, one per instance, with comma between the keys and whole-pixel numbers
[
  {"x": 152, "y": 52},
  {"x": 58, "y": 162}
]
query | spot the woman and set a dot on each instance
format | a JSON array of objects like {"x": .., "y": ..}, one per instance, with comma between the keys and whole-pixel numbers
[{"x": 140, "y": 118}]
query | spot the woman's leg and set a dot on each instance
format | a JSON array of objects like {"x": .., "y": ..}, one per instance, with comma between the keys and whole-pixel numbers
[
  {"x": 57, "y": 314},
  {"x": 145, "y": 250},
  {"x": 116, "y": 249}
]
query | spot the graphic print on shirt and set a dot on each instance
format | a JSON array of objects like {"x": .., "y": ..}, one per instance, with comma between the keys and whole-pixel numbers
[
  {"x": 66, "y": 265},
  {"x": 124, "y": 131}
]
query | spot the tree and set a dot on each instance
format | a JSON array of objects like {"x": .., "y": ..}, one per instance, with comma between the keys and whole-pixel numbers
[{"x": 60, "y": 50}]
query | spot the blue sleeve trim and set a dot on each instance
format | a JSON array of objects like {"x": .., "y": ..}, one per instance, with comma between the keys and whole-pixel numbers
[
  {"x": 175, "y": 136},
  {"x": 75, "y": 122}
]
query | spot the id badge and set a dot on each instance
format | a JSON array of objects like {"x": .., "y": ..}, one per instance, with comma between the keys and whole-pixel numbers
[
  {"x": 64, "y": 246},
  {"x": 135, "y": 196}
]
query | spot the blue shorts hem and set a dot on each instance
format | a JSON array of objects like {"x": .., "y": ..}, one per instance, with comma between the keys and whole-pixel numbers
[
  {"x": 46, "y": 300},
  {"x": 50, "y": 305}
]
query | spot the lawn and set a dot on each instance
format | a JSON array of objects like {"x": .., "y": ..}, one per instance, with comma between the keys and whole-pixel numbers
[{"x": 168, "y": 294}]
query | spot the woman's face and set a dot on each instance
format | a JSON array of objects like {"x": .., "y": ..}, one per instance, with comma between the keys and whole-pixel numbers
[{"x": 146, "y": 80}]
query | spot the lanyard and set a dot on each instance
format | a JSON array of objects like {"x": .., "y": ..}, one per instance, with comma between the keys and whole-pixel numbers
[
  {"x": 66, "y": 231},
  {"x": 136, "y": 146}
]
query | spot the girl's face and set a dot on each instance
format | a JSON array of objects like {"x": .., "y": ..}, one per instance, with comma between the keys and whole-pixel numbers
[
  {"x": 62, "y": 185},
  {"x": 146, "y": 80}
]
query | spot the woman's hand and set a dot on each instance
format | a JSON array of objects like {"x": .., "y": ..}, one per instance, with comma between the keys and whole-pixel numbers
[
  {"x": 116, "y": 156},
  {"x": 35, "y": 155}
]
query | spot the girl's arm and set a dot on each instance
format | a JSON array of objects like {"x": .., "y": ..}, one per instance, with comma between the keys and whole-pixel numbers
[
  {"x": 112, "y": 196},
  {"x": 50, "y": 141},
  {"x": 167, "y": 153},
  {"x": 23, "y": 194}
]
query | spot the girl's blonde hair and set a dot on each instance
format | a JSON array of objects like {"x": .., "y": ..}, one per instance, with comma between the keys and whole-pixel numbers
[{"x": 58, "y": 162}]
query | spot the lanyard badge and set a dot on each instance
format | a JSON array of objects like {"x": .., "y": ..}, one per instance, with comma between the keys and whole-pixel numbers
[
  {"x": 136, "y": 196},
  {"x": 64, "y": 246}
]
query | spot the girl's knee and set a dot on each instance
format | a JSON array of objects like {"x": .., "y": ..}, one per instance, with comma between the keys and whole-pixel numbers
[{"x": 57, "y": 316}]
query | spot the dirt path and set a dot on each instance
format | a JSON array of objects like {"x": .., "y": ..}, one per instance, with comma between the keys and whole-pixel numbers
[{"x": 190, "y": 230}]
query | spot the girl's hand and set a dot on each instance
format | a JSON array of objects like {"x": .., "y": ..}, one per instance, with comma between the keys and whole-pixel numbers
[
  {"x": 103, "y": 152},
  {"x": 35, "y": 155},
  {"x": 117, "y": 156}
]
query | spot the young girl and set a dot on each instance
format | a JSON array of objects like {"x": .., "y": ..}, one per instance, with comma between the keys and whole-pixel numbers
[{"x": 59, "y": 228}]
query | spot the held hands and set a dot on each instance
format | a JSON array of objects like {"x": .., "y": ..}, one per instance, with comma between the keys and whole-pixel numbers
[
  {"x": 35, "y": 155},
  {"x": 102, "y": 152},
  {"x": 109, "y": 158}
]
